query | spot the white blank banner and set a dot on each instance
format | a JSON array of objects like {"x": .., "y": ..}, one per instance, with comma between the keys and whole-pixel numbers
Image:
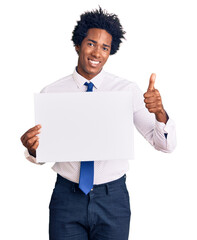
[{"x": 84, "y": 126}]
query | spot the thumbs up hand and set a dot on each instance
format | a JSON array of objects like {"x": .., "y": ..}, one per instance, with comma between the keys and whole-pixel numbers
[{"x": 152, "y": 99}]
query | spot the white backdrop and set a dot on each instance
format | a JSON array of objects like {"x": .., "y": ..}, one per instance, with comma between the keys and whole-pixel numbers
[{"x": 36, "y": 50}]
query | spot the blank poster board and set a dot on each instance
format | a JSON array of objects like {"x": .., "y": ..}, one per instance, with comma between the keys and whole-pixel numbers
[{"x": 84, "y": 126}]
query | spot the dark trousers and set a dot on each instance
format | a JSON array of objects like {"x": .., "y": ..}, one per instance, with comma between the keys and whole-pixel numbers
[{"x": 103, "y": 214}]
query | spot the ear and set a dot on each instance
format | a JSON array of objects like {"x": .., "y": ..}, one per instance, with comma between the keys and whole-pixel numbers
[{"x": 77, "y": 48}]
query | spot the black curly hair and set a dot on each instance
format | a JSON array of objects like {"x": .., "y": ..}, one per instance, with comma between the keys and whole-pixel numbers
[{"x": 99, "y": 19}]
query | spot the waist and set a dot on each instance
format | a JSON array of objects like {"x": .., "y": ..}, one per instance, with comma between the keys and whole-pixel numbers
[
  {"x": 104, "y": 171},
  {"x": 104, "y": 186}
]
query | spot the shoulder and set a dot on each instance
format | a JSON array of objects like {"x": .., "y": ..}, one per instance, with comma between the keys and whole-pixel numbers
[
  {"x": 60, "y": 84},
  {"x": 119, "y": 82}
]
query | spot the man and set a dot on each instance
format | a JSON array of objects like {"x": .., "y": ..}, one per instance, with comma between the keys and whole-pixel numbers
[{"x": 91, "y": 201}]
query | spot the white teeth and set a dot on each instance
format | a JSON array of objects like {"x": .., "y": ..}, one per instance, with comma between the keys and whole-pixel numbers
[{"x": 94, "y": 62}]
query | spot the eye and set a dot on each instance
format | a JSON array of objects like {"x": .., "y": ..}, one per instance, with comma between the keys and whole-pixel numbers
[
  {"x": 105, "y": 49},
  {"x": 90, "y": 44}
]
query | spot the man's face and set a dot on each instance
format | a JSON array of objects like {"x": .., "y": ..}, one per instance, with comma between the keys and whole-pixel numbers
[{"x": 93, "y": 52}]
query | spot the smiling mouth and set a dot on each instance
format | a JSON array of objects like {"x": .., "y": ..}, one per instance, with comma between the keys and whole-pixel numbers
[{"x": 93, "y": 63}]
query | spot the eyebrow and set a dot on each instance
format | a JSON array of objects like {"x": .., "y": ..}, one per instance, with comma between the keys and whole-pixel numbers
[{"x": 96, "y": 42}]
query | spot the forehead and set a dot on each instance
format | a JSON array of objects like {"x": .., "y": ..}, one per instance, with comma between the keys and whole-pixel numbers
[{"x": 99, "y": 35}]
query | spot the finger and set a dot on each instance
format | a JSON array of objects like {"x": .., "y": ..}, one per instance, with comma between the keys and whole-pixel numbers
[
  {"x": 29, "y": 135},
  {"x": 30, "y": 142},
  {"x": 37, "y": 127},
  {"x": 153, "y": 93},
  {"x": 152, "y": 82},
  {"x": 152, "y": 99},
  {"x": 35, "y": 146},
  {"x": 151, "y": 105},
  {"x": 149, "y": 94},
  {"x": 157, "y": 104},
  {"x": 32, "y": 132},
  {"x": 32, "y": 151},
  {"x": 155, "y": 109},
  {"x": 149, "y": 100},
  {"x": 152, "y": 110}
]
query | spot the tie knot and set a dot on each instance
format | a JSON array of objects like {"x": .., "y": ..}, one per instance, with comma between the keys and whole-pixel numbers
[{"x": 89, "y": 86}]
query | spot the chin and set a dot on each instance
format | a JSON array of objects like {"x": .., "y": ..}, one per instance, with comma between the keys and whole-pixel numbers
[{"x": 94, "y": 71}]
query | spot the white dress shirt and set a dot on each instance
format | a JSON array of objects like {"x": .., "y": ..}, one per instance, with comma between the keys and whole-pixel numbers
[{"x": 145, "y": 122}]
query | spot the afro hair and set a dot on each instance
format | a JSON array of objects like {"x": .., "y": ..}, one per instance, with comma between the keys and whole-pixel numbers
[{"x": 99, "y": 19}]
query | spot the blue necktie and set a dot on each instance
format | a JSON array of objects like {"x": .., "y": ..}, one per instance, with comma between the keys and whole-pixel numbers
[{"x": 87, "y": 168}]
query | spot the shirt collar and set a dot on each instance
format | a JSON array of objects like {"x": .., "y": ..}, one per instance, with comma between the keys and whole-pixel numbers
[{"x": 80, "y": 80}]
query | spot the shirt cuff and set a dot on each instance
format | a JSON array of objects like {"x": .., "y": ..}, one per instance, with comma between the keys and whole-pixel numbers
[
  {"x": 165, "y": 128},
  {"x": 31, "y": 158},
  {"x": 165, "y": 136}
]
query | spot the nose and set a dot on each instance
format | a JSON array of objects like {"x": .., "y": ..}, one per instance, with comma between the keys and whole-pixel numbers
[{"x": 96, "y": 52}]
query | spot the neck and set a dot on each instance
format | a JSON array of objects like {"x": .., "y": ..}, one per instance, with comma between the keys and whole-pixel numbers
[{"x": 87, "y": 76}]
